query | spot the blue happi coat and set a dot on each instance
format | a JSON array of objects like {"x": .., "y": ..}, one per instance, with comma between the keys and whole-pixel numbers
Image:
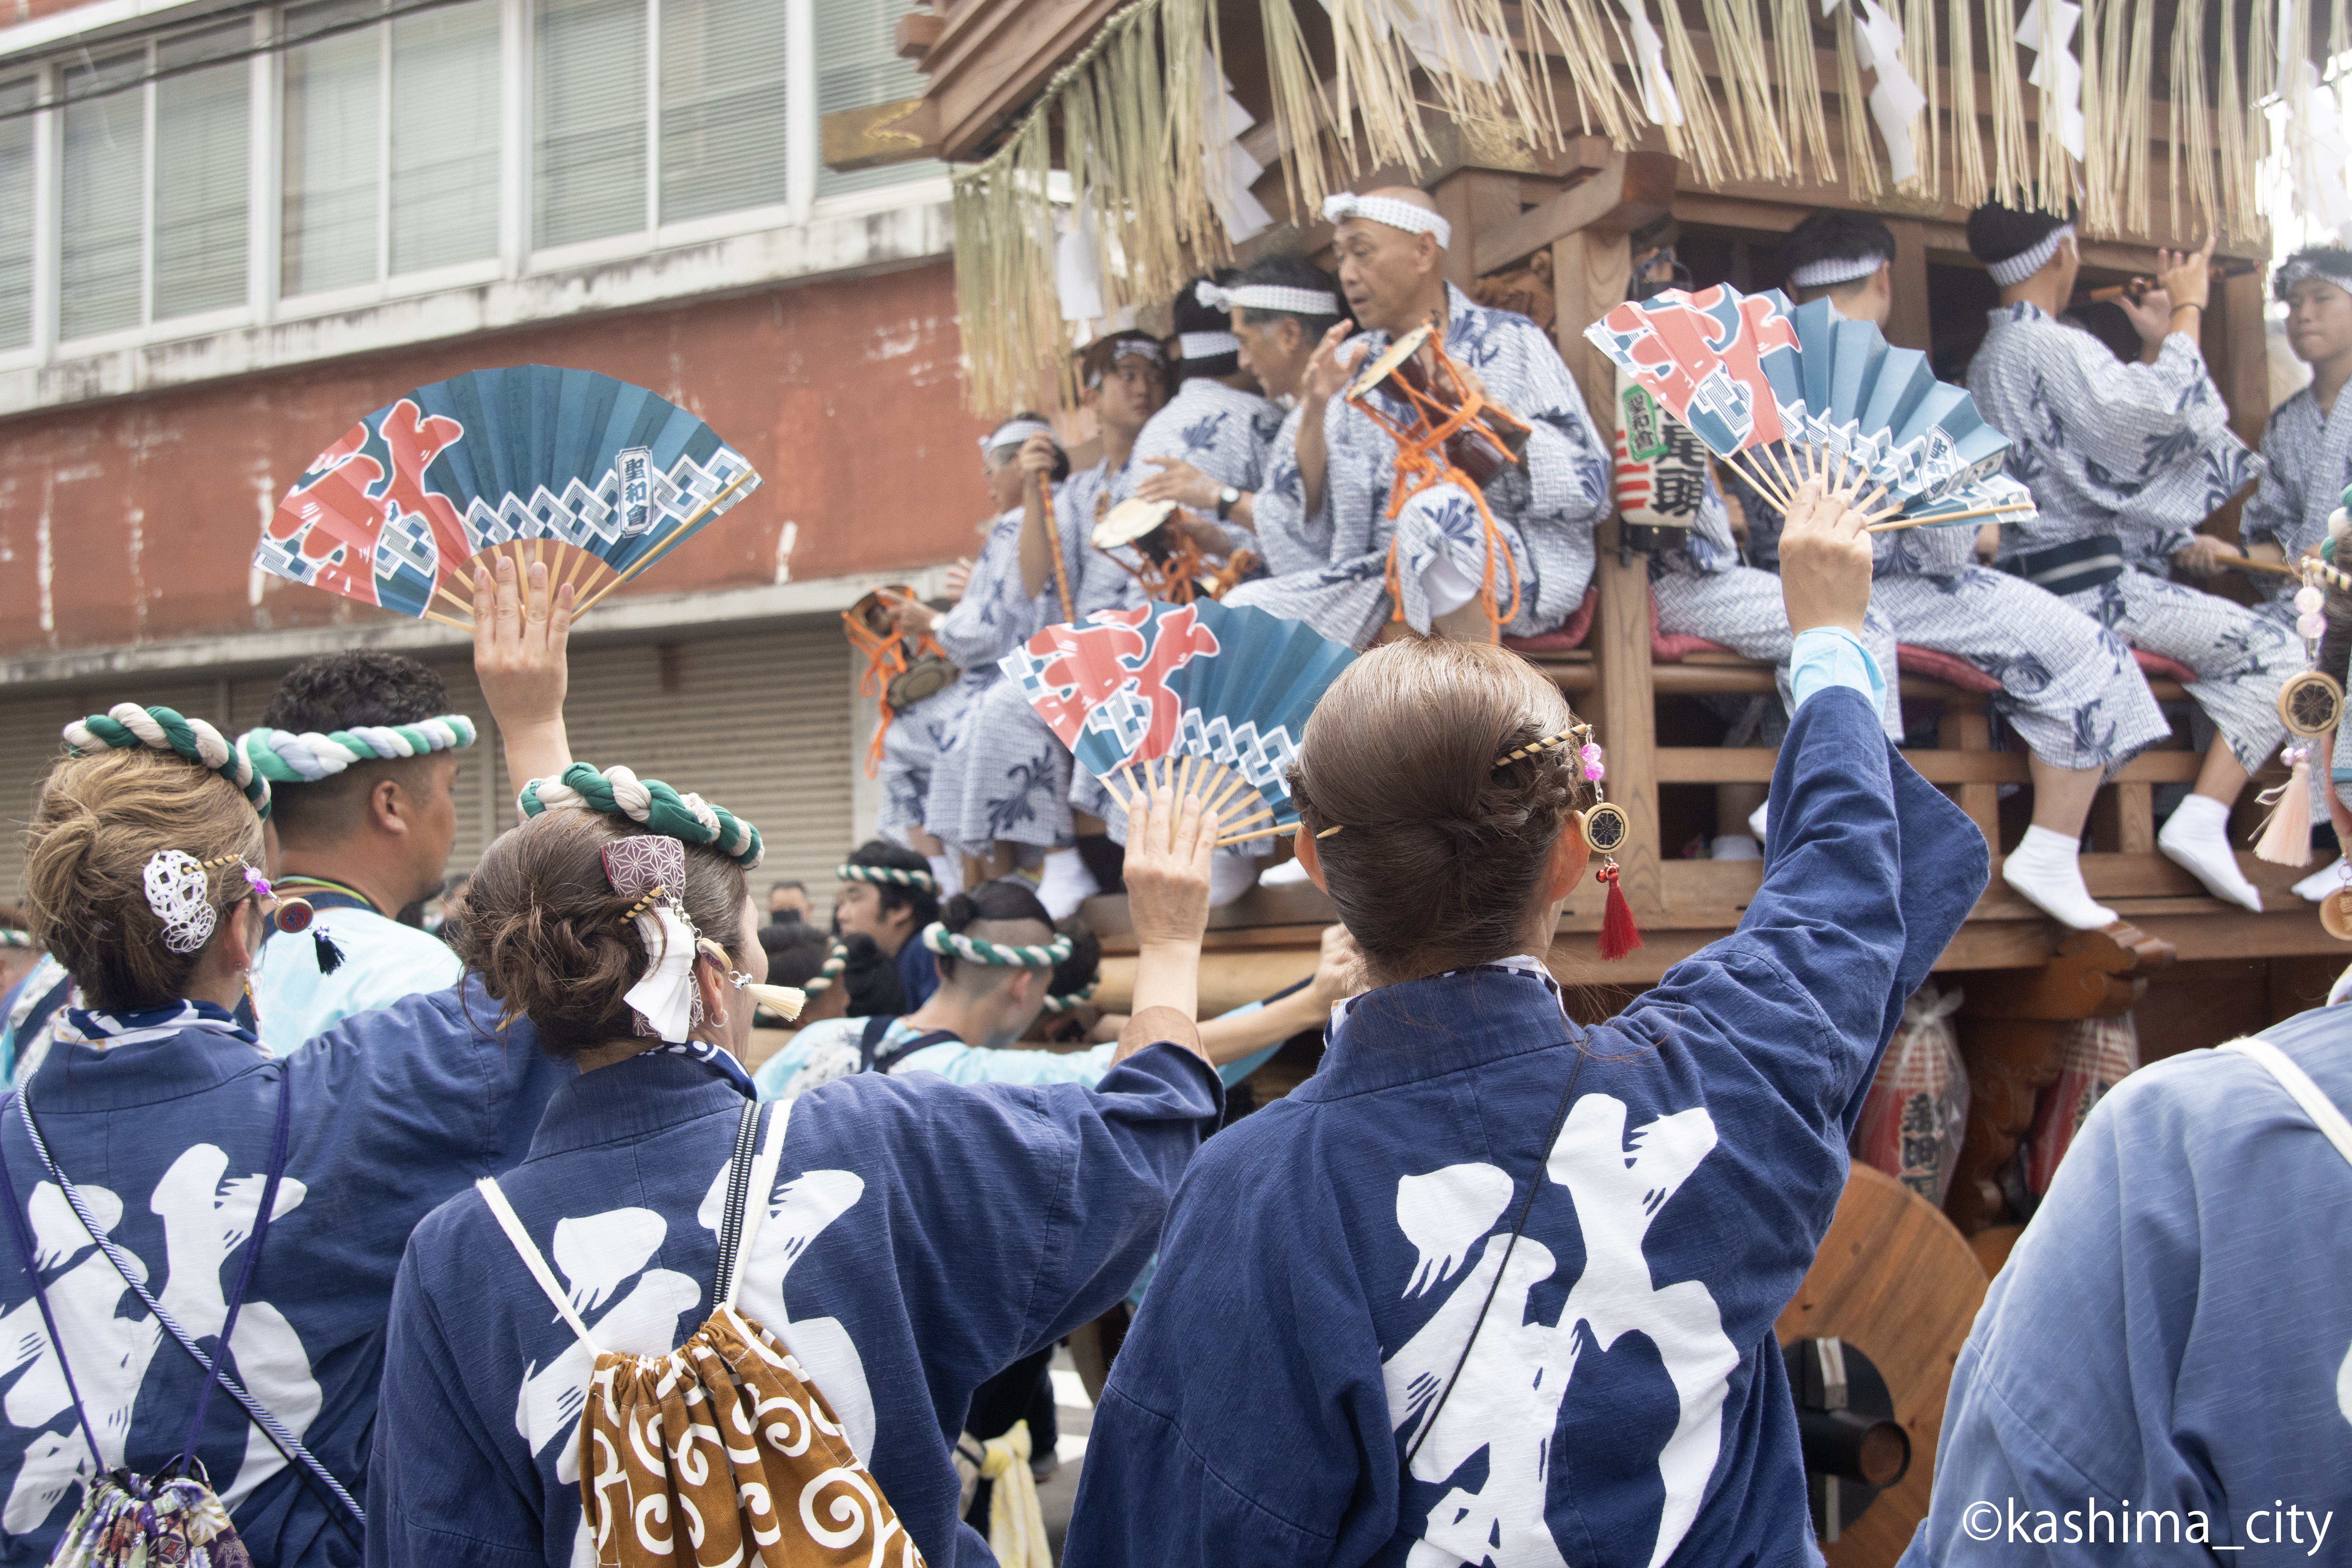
[
  {"x": 166, "y": 1133},
  {"x": 1624, "y": 1403},
  {"x": 933, "y": 1233}
]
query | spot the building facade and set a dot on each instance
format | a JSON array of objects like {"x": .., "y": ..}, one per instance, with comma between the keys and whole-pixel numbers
[{"x": 228, "y": 230}]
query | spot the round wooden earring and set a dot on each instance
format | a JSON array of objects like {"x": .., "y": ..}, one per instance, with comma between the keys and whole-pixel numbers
[
  {"x": 1605, "y": 829},
  {"x": 2311, "y": 703},
  {"x": 292, "y": 915},
  {"x": 2336, "y": 914}
]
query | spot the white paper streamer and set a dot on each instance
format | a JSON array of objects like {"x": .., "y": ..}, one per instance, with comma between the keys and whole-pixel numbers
[
  {"x": 664, "y": 997},
  {"x": 1225, "y": 164},
  {"x": 2048, "y": 29},
  {"x": 1658, "y": 100},
  {"x": 1896, "y": 101}
]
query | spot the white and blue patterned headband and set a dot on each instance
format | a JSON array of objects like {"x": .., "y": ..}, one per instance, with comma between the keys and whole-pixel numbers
[
  {"x": 1345, "y": 205},
  {"x": 1832, "y": 270},
  {"x": 1145, "y": 349},
  {"x": 1014, "y": 432},
  {"x": 2015, "y": 269},
  {"x": 1207, "y": 345},
  {"x": 1267, "y": 297},
  {"x": 955, "y": 944},
  {"x": 2296, "y": 268},
  {"x": 283, "y": 756}
]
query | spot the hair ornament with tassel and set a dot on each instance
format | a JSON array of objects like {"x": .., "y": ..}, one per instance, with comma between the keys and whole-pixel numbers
[
  {"x": 2311, "y": 705},
  {"x": 1605, "y": 832}
]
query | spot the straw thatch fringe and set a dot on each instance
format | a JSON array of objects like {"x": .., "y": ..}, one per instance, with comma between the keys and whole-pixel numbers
[
  {"x": 1919, "y": 60},
  {"x": 1298, "y": 111},
  {"x": 1800, "y": 91},
  {"x": 1969, "y": 183},
  {"x": 2192, "y": 121},
  {"x": 2013, "y": 179},
  {"x": 2054, "y": 168},
  {"x": 1583, "y": 30},
  {"x": 1703, "y": 141},
  {"x": 2242, "y": 136},
  {"x": 1746, "y": 89}
]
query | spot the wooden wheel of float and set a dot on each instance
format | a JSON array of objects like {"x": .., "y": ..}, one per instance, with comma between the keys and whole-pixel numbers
[{"x": 1897, "y": 1281}]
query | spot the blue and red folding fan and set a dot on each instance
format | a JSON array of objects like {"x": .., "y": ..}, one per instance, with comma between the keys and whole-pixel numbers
[
  {"x": 1789, "y": 393},
  {"x": 1219, "y": 694},
  {"x": 596, "y": 477}
]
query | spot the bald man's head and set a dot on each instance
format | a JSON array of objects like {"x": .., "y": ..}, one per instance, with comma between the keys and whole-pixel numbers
[{"x": 1393, "y": 279}]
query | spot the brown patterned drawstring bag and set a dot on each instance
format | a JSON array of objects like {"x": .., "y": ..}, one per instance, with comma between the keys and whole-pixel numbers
[{"x": 723, "y": 1453}]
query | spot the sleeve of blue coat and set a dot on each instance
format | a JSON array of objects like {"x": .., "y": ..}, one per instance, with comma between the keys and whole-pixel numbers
[
  {"x": 437, "y": 1489},
  {"x": 1868, "y": 874}
]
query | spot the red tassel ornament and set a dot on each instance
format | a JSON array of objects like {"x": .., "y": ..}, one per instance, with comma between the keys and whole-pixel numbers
[{"x": 1619, "y": 934}]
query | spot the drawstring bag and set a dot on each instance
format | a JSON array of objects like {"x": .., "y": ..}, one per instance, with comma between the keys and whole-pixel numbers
[
  {"x": 722, "y": 1451},
  {"x": 173, "y": 1516}
]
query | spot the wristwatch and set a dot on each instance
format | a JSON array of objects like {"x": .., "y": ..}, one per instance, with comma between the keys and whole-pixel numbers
[{"x": 1227, "y": 498}]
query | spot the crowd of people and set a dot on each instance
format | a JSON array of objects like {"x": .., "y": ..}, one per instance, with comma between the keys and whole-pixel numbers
[{"x": 340, "y": 1241}]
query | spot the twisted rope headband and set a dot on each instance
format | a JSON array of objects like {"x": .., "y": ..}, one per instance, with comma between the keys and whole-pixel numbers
[
  {"x": 1065, "y": 1004},
  {"x": 955, "y": 944},
  {"x": 1832, "y": 270},
  {"x": 126, "y": 725},
  {"x": 11, "y": 937},
  {"x": 1344, "y": 205},
  {"x": 617, "y": 792},
  {"x": 830, "y": 971},
  {"x": 889, "y": 875},
  {"x": 284, "y": 756},
  {"x": 1267, "y": 297}
]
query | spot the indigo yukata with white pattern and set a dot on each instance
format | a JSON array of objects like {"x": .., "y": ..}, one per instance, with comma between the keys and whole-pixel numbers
[
  {"x": 166, "y": 1133},
  {"x": 1624, "y": 1401}
]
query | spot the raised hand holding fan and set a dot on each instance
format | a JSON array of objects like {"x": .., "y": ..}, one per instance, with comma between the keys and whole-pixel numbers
[
  {"x": 1209, "y": 697},
  {"x": 597, "y": 478}
]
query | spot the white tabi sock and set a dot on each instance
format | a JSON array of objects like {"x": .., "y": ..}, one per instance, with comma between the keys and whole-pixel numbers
[
  {"x": 1735, "y": 846},
  {"x": 1447, "y": 586},
  {"x": 2314, "y": 889},
  {"x": 2046, "y": 870},
  {"x": 1231, "y": 875},
  {"x": 949, "y": 873},
  {"x": 2198, "y": 837},
  {"x": 1064, "y": 882},
  {"x": 1756, "y": 821}
]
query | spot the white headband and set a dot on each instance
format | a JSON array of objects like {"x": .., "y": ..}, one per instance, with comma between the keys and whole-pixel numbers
[
  {"x": 1014, "y": 432},
  {"x": 1388, "y": 210},
  {"x": 2301, "y": 268},
  {"x": 1207, "y": 345},
  {"x": 1139, "y": 348},
  {"x": 1267, "y": 297},
  {"x": 2027, "y": 262},
  {"x": 1832, "y": 270}
]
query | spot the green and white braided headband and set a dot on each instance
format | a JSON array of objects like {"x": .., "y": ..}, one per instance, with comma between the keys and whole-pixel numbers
[
  {"x": 955, "y": 944},
  {"x": 835, "y": 962},
  {"x": 283, "y": 756},
  {"x": 849, "y": 872},
  {"x": 1065, "y": 1003},
  {"x": 126, "y": 725},
  {"x": 617, "y": 792}
]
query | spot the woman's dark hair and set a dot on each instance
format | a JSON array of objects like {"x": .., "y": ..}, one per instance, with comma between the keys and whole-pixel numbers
[
  {"x": 986, "y": 911},
  {"x": 881, "y": 852},
  {"x": 1083, "y": 966},
  {"x": 554, "y": 942},
  {"x": 871, "y": 977},
  {"x": 1440, "y": 852}
]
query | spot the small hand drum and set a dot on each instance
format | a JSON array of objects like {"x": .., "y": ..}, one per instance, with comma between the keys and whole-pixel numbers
[
  {"x": 1483, "y": 448},
  {"x": 1129, "y": 521},
  {"x": 927, "y": 672}
]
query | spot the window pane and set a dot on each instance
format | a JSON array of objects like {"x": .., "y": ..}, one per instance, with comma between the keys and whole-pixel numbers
[
  {"x": 104, "y": 198},
  {"x": 722, "y": 106},
  {"x": 332, "y": 139},
  {"x": 857, "y": 66},
  {"x": 16, "y": 217},
  {"x": 202, "y": 177},
  {"x": 588, "y": 95},
  {"x": 445, "y": 136}
]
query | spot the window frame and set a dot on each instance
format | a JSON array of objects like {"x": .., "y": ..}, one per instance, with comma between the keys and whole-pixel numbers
[{"x": 518, "y": 257}]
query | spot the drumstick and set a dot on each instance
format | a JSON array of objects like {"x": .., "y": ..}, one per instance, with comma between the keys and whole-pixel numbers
[{"x": 2248, "y": 563}]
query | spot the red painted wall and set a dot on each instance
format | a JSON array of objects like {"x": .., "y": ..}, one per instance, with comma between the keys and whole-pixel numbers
[{"x": 845, "y": 396}]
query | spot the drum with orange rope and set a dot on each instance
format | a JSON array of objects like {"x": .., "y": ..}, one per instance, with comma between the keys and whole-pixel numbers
[
  {"x": 899, "y": 671},
  {"x": 1168, "y": 560}
]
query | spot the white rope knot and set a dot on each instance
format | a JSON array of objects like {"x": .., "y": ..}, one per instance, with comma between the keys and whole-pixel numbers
[
  {"x": 179, "y": 892},
  {"x": 1342, "y": 205},
  {"x": 891, "y": 875},
  {"x": 976, "y": 950}
]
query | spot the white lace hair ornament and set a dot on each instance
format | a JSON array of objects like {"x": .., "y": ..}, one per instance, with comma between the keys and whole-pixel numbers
[
  {"x": 179, "y": 892},
  {"x": 1344, "y": 204}
]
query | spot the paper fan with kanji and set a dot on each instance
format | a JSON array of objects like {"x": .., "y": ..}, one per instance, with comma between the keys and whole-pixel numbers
[
  {"x": 1788, "y": 393},
  {"x": 597, "y": 478},
  {"x": 1219, "y": 693}
]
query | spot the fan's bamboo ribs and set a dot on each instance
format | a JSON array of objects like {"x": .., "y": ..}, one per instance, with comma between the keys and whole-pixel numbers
[
  {"x": 2013, "y": 508},
  {"x": 1260, "y": 833},
  {"x": 654, "y": 554}
]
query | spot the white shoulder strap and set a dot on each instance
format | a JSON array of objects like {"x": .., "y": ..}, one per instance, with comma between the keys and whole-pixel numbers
[
  {"x": 761, "y": 1194},
  {"x": 511, "y": 1223},
  {"x": 2308, "y": 1094}
]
